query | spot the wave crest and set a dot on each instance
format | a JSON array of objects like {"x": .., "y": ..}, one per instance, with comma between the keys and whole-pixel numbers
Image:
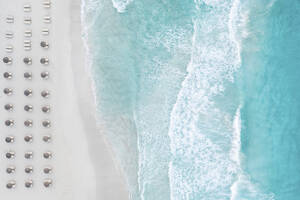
[
  {"x": 121, "y": 5},
  {"x": 203, "y": 164}
]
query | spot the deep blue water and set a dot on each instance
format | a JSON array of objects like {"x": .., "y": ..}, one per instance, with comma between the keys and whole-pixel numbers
[{"x": 199, "y": 99}]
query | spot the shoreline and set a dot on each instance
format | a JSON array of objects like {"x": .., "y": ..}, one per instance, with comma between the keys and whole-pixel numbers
[{"x": 110, "y": 180}]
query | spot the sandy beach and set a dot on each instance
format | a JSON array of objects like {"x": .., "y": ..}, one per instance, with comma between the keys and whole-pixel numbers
[
  {"x": 83, "y": 163},
  {"x": 110, "y": 182}
]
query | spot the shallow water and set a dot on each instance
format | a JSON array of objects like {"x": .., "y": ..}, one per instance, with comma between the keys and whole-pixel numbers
[{"x": 199, "y": 98}]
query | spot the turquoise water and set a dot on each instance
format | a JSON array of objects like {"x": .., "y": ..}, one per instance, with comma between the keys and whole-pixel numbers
[
  {"x": 199, "y": 98},
  {"x": 271, "y": 102}
]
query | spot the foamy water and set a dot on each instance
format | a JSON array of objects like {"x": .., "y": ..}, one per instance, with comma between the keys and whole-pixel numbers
[{"x": 202, "y": 140}]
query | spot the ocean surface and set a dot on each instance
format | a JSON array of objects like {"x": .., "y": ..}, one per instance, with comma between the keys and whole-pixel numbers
[{"x": 200, "y": 99}]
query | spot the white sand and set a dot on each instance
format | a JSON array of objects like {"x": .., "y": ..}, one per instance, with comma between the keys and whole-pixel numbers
[{"x": 82, "y": 160}]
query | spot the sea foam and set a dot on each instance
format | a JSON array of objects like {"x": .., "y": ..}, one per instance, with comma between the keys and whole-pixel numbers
[
  {"x": 121, "y": 5},
  {"x": 204, "y": 144}
]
